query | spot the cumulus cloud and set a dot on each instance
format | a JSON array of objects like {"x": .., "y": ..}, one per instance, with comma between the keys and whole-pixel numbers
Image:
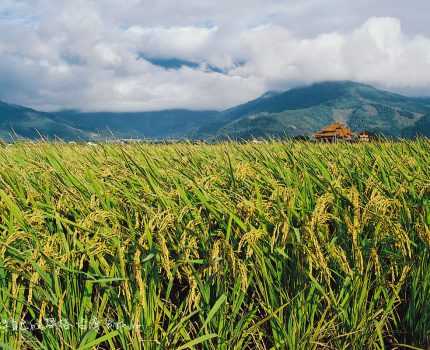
[
  {"x": 90, "y": 55},
  {"x": 377, "y": 52}
]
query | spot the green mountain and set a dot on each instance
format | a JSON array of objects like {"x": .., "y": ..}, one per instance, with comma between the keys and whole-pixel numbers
[
  {"x": 299, "y": 111},
  {"x": 304, "y": 110},
  {"x": 17, "y": 121}
]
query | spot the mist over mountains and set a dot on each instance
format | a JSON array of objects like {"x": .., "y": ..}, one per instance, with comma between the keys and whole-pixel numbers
[{"x": 299, "y": 111}]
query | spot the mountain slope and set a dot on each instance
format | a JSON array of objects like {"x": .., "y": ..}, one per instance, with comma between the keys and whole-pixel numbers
[
  {"x": 18, "y": 121},
  {"x": 420, "y": 128},
  {"x": 304, "y": 110}
]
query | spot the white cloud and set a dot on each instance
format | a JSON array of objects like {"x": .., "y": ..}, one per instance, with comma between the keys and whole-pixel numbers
[
  {"x": 377, "y": 52},
  {"x": 84, "y": 54},
  {"x": 380, "y": 53}
]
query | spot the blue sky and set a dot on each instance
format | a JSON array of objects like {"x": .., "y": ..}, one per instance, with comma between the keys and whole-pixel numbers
[{"x": 200, "y": 54}]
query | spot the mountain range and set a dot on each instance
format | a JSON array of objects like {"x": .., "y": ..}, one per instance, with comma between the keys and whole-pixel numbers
[{"x": 296, "y": 112}]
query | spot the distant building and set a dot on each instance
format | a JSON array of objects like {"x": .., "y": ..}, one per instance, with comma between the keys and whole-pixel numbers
[
  {"x": 364, "y": 136},
  {"x": 334, "y": 132}
]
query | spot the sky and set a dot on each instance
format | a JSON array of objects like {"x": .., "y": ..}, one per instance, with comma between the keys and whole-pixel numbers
[{"x": 138, "y": 55}]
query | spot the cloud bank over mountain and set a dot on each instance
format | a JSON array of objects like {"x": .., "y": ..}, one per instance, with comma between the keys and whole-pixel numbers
[{"x": 146, "y": 55}]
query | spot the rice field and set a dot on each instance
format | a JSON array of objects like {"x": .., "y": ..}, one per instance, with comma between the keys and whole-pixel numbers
[{"x": 279, "y": 245}]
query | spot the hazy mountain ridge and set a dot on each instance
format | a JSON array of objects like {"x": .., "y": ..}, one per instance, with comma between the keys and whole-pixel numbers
[
  {"x": 19, "y": 121},
  {"x": 299, "y": 111},
  {"x": 175, "y": 123}
]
